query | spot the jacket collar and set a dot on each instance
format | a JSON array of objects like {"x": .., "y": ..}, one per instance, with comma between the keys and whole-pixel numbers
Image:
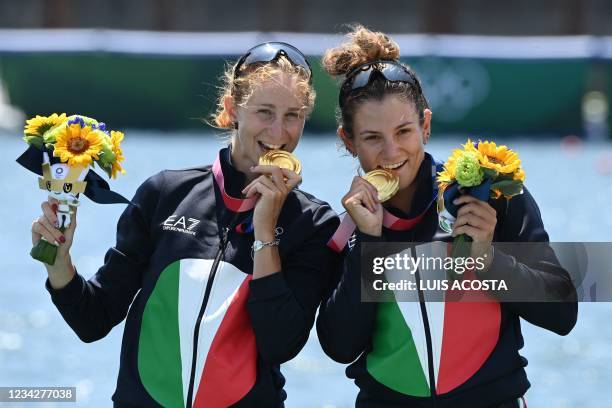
[{"x": 231, "y": 182}]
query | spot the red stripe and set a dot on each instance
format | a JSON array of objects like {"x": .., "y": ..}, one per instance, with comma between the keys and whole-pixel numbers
[
  {"x": 233, "y": 204},
  {"x": 334, "y": 246},
  {"x": 471, "y": 331},
  {"x": 401, "y": 224},
  {"x": 230, "y": 370}
]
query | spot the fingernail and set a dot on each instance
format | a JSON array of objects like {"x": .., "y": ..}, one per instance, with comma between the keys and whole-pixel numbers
[
  {"x": 252, "y": 167},
  {"x": 62, "y": 239},
  {"x": 56, "y": 224},
  {"x": 54, "y": 207},
  {"x": 456, "y": 201}
]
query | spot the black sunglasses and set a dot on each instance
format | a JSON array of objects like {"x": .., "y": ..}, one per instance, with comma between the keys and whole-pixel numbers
[
  {"x": 270, "y": 51},
  {"x": 362, "y": 75}
]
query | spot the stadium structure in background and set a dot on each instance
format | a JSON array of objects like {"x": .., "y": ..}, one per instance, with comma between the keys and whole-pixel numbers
[{"x": 481, "y": 17}]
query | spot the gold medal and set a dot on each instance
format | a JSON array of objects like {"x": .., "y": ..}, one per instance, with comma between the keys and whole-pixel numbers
[
  {"x": 386, "y": 182},
  {"x": 282, "y": 159}
]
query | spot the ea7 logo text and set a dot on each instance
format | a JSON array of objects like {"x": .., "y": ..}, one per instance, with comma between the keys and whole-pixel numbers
[{"x": 180, "y": 224}]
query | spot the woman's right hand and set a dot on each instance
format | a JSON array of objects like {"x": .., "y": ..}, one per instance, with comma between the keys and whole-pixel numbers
[
  {"x": 46, "y": 225},
  {"x": 361, "y": 202}
]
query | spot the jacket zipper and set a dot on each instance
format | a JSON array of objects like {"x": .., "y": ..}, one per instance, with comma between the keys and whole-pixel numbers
[
  {"x": 196, "y": 333},
  {"x": 432, "y": 377}
]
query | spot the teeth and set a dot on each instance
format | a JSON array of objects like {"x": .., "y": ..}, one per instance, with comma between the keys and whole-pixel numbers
[
  {"x": 270, "y": 146},
  {"x": 392, "y": 166}
]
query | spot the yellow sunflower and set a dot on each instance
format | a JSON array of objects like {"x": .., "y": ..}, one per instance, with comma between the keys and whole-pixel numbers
[
  {"x": 498, "y": 158},
  {"x": 116, "y": 138},
  {"x": 447, "y": 175},
  {"x": 519, "y": 175},
  {"x": 78, "y": 146},
  {"x": 469, "y": 147},
  {"x": 40, "y": 124}
]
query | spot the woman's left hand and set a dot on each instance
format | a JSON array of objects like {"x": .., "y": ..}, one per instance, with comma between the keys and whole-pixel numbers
[
  {"x": 477, "y": 219},
  {"x": 273, "y": 190}
]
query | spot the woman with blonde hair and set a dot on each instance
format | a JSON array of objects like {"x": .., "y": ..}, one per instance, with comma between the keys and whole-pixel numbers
[
  {"x": 413, "y": 352},
  {"x": 219, "y": 268}
]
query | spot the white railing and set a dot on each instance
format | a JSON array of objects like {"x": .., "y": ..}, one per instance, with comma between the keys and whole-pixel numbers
[{"x": 235, "y": 43}]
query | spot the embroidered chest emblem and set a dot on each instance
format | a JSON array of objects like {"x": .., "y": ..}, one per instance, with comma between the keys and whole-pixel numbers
[{"x": 180, "y": 223}]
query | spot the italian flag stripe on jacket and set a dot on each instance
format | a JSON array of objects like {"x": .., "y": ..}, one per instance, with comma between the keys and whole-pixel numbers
[
  {"x": 226, "y": 358},
  {"x": 399, "y": 358}
]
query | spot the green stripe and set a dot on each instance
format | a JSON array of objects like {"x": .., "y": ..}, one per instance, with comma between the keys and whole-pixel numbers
[
  {"x": 159, "y": 350},
  {"x": 394, "y": 361}
]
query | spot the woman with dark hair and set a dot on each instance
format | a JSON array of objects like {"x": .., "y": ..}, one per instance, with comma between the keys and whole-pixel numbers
[
  {"x": 422, "y": 353},
  {"x": 219, "y": 268}
]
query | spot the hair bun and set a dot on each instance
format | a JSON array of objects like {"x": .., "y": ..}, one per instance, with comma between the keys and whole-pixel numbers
[{"x": 363, "y": 46}]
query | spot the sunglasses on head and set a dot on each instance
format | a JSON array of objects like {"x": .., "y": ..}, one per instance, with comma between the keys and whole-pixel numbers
[
  {"x": 362, "y": 75},
  {"x": 271, "y": 51}
]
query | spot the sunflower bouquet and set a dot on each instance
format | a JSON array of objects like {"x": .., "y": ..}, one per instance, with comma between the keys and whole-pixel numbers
[
  {"x": 77, "y": 140},
  {"x": 64, "y": 150},
  {"x": 482, "y": 170}
]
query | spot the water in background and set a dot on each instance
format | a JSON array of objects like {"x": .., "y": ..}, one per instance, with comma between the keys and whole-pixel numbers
[{"x": 572, "y": 184}]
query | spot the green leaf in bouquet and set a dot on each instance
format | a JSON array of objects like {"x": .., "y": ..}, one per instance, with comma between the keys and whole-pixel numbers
[
  {"x": 106, "y": 156},
  {"x": 488, "y": 173},
  {"x": 502, "y": 183},
  {"x": 108, "y": 170},
  {"x": 505, "y": 176},
  {"x": 508, "y": 187},
  {"x": 512, "y": 189},
  {"x": 107, "y": 167}
]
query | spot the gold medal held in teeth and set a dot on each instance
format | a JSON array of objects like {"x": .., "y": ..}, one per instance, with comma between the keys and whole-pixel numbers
[
  {"x": 386, "y": 182},
  {"x": 282, "y": 159}
]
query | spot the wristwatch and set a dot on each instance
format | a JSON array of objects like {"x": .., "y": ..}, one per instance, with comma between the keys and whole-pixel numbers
[{"x": 258, "y": 245}]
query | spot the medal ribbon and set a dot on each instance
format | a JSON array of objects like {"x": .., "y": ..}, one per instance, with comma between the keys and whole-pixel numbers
[
  {"x": 347, "y": 226},
  {"x": 233, "y": 204}
]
